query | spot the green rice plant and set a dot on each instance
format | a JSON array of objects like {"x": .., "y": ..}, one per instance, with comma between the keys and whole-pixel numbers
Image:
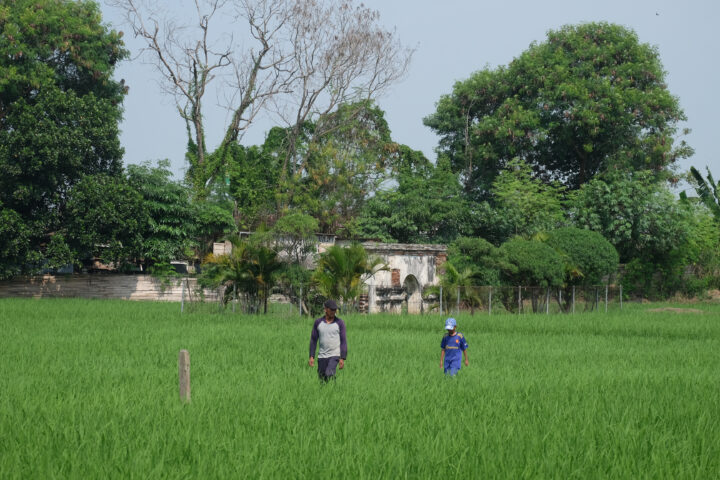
[{"x": 89, "y": 389}]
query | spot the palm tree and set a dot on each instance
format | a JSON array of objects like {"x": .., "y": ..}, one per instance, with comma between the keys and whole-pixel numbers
[
  {"x": 709, "y": 192},
  {"x": 248, "y": 268},
  {"x": 452, "y": 280},
  {"x": 342, "y": 271},
  {"x": 262, "y": 266},
  {"x": 228, "y": 270}
]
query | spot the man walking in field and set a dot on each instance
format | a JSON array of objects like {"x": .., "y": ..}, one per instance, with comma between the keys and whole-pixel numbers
[{"x": 329, "y": 332}]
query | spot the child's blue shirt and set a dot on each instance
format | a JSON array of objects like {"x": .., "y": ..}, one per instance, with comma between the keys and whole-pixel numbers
[{"x": 453, "y": 345}]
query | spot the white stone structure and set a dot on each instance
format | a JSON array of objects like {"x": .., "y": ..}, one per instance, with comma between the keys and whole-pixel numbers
[{"x": 412, "y": 268}]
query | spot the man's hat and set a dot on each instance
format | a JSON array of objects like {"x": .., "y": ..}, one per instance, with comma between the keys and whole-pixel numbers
[
  {"x": 331, "y": 304},
  {"x": 450, "y": 323}
]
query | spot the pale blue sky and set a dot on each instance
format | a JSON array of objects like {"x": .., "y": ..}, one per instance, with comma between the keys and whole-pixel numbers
[{"x": 453, "y": 39}]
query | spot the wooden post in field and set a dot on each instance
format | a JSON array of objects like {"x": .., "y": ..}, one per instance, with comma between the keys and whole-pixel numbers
[
  {"x": 620, "y": 296},
  {"x": 184, "y": 375}
]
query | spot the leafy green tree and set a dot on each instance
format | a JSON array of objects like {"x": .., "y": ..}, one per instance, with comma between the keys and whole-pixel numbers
[
  {"x": 104, "y": 219},
  {"x": 339, "y": 161},
  {"x": 525, "y": 205},
  {"x": 229, "y": 270},
  {"x": 587, "y": 255},
  {"x": 347, "y": 155},
  {"x": 263, "y": 267},
  {"x": 15, "y": 236},
  {"x": 58, "y": 253},
  {"x": 253, "y": 175},
  {"x": 59, "y": 114},
  {"x": 588, "y": 99},
  {"x": 176, "y": 228},
  {"x": 701, "y": 252},
  {"x": 477, "y": 255},
  {"x": 341, "y": 272},
  {"x": 295, "y": 235},
  {"x": 427, "y": 206},
  {"x": 641, "y": 218},
  {"x": 530, "y": 263},
  {"x": 645, "y": 222}
]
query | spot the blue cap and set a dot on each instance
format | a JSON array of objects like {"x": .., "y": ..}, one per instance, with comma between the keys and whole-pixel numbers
[{"x": 450, "y": 323}]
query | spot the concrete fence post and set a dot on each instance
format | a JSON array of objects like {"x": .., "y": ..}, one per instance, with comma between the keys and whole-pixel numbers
[
  {"x": 547, "y": 301},
  {"x": 184, "y": 375},
  {"x": 606, "y": 297},
  {"x": 562, "y": 310}
]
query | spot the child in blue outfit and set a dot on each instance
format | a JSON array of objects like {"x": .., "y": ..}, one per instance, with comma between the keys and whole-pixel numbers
[{"x": 452, "y": 344}]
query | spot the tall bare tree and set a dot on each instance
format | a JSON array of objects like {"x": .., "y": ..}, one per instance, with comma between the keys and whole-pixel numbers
[
  {"x": 192, "y": 54},
  {"x": 301, "y": 58},
  {"x": 341, "y": 55}
]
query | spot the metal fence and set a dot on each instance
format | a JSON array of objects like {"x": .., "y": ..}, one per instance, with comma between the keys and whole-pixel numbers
[
  {"x": 292, "y": 300},
  {"x": 297, "y": 300},
  {"x": 522, "y": 300}
]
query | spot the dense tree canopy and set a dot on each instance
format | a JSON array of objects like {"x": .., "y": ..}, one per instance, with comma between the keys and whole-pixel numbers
[
  {"x": 524, "y": 205},
  {"x": 175, "y": 224},
  {"x": 641, "y": 218},
  {"x": 426, "y": 206},
  {"x": 479, "y": 256},
  {"x": 59, "y": 112},
  {"x": 104, "y": 218},
  {"x": 590, "y": 98}
]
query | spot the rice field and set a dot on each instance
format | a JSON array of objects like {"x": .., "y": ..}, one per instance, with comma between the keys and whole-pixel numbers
[{"x": 89, "y": 389}]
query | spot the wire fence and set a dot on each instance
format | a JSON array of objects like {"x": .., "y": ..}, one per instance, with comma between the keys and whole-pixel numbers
[
  {"x": 522, "y": 300},
  {"x": 300, "y": 300},
  {"x": 285, "y": 300}
]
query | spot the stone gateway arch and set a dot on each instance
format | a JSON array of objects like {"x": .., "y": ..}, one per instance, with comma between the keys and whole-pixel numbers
[{"x": 412, "y": 268}]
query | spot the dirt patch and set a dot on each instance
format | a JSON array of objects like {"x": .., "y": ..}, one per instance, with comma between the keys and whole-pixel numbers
[{"x": 675, "y": 310}]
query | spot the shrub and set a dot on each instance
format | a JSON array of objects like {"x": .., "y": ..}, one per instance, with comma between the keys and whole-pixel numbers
[
  {"x": 477, "y": 255},
  {"x": 532, "y": 263},
  {"x": 588, "y": 255}
]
